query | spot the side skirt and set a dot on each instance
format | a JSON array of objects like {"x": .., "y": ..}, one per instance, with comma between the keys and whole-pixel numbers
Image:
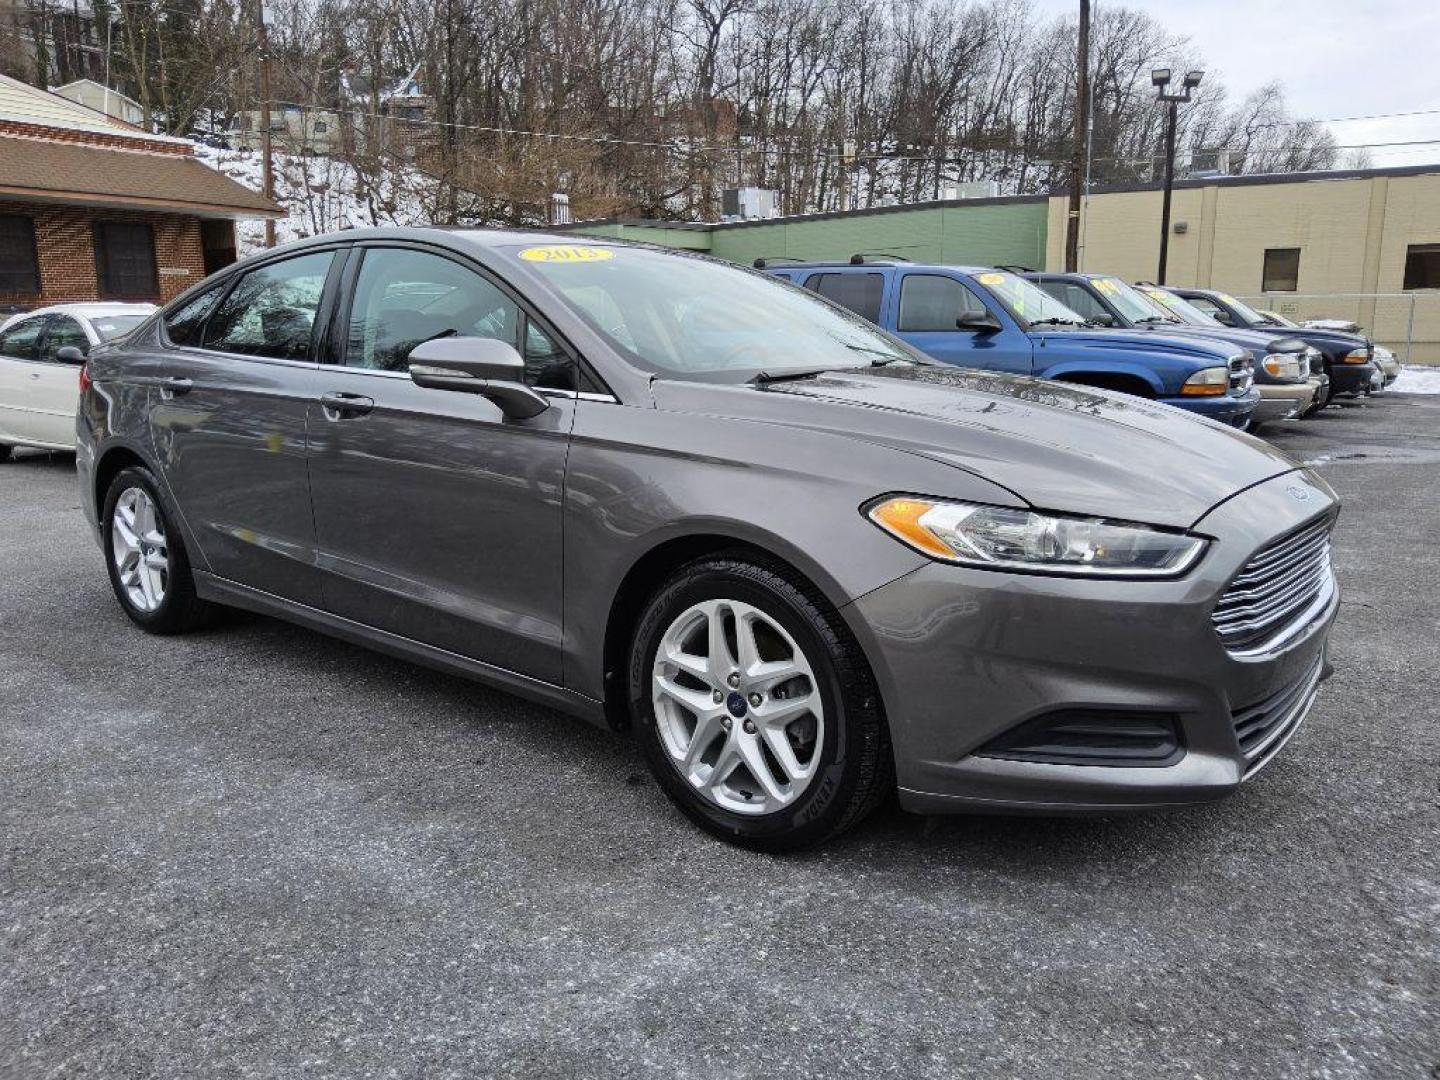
[{"x": 233, "y": 594}]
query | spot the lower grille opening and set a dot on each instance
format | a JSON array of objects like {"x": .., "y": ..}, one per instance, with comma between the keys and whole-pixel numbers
[
  {"x": 1092, "y": 737},
  {"x": 1261, "y": 728}
]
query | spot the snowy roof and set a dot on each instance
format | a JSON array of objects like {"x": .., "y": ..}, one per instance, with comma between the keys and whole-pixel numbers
[
  {"x": 27, "y": 104},
  {"x": 358, "y": 87}
]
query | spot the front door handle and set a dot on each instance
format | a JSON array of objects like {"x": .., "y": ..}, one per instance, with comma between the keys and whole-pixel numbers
[
  {"x": 341, "y": 406},
  {"x": 175, "y": 386}
]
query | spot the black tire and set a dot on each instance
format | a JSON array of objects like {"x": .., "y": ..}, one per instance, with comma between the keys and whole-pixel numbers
[
  {"x": 5, "y": 452},
  {"x": 181, "y": 610},
  {"x": 855, "y": 771}
]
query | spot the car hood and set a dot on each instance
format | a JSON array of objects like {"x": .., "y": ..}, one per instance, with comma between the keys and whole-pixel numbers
[
  {"x": 1259, "y": 342},
  {"x": 1130, "y": 341},
  {"x": 1056, "y": 446},
  {"x": 1331, "y": 340}
]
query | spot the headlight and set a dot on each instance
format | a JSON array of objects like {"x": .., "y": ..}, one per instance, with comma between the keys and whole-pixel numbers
[
  {"x": 1357, "y": 356},
  {"x": 1285, "y": 365},
  {"x": 1207, "y": 382},
  {"x": 1001, "y": 538}
]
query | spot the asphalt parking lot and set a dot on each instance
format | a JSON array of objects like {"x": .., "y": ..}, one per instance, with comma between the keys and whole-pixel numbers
[{"x": 260, "y": 852}]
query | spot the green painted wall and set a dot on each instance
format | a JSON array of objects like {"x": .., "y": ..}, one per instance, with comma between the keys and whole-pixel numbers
[
  {"x": 689, "y": 239},
  {"x": 982, "y": 234}
]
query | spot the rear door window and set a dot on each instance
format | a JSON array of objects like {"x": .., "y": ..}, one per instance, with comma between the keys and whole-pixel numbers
[
  {"x": 861, "y": 293},
  {"x": 272, "y": 309},
  {"x": 18, "y": 343}
]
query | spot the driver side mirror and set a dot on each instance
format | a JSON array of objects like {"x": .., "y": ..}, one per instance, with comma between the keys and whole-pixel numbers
[
  {"x": 70, "y": 354},
  {"x": 1103, "y": 318},
  {"x": 475, "y": 365},
  {"x": 1223, "y": 317},
  {"x": 979, "y": 322}
]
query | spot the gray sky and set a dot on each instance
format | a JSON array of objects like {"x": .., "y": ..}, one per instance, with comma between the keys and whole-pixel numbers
[{"x": 1334, "y": 58}]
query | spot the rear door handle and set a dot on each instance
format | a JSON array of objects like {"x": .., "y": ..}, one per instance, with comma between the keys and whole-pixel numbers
[
  {"x": 341, "y": 406},
  {"x": 174, "y": 386}
]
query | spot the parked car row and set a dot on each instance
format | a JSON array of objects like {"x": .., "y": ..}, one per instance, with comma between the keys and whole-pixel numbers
[
  {"x": 804, "y": 562},
  {"x": 1098, "y": 330}
]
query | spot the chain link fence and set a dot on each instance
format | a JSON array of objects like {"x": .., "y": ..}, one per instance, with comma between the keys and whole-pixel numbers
[{"x": 1406, "y": 323}]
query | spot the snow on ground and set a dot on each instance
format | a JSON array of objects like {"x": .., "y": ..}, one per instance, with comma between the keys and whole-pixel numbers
[
  {"x": 323, "y": 194},
  {"x": 1417, "y": 380}
]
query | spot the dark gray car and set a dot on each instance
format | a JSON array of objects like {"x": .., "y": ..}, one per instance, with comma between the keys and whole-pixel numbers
[{"x": 805, "y": 564}]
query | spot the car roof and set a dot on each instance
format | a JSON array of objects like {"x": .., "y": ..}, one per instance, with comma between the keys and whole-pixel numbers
[
  {"x": 846, "y": 264},
  {"x": 90, "y": 311}
]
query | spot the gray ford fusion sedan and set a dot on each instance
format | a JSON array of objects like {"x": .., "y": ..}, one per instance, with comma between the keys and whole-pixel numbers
[{"x": 804, "y": 564}]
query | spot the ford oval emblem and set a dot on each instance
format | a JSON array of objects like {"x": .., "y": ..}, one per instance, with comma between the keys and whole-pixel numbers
[{"x": 1298, "y": 493}]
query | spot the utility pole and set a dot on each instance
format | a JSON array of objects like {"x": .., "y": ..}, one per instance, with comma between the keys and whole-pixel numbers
[
  {"x": 1160, "y": 77},
  {"x": 267, "y": 170},
  {"x": 1082, "y": 127}
]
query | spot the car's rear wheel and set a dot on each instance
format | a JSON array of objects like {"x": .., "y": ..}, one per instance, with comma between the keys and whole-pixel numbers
[
  {"x": 5, "y": 452},
  {"x": 755, "y": 707},
  {"x": 146, "y": 558}
]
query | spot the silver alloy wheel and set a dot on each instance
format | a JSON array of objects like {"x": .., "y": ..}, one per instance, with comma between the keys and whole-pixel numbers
[
  {"x": 737, "y": 707},
  {"x": 139, "y": 548}
]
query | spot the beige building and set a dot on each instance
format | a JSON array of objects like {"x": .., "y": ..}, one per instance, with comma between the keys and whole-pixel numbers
[
  {"x": 1362, "y": 245},
  {"x": 101, "y": 98}
]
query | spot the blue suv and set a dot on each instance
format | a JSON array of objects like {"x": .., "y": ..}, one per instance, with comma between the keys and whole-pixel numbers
[{"x": 982, "y": 317}]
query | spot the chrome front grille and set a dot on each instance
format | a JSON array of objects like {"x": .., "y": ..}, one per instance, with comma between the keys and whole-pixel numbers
[
  {"x": 1262, "y": 729},
  {"x": 1242, "y": 373},
  {"x": 1278, "y": 592}
]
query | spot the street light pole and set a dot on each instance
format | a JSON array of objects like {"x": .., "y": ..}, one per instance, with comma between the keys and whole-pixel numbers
[
  {"x": 1079, "y": 156},
  {"x": 1172, "y": 109},
  {"x": 1160, "y": 77}
]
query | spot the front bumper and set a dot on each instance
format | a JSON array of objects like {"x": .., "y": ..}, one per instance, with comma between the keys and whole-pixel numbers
[
  {"x": 1232, "y": 409},
  {"x": 1281, "y": 401},
  {"x": 1352, "y": 378},
  {"x": 963, "y": 656}
]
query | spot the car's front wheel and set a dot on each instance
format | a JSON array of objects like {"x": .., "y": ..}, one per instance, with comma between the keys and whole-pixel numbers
[
  {"x": 755, "y": 708},
  {"x": 145, "y": 554}
]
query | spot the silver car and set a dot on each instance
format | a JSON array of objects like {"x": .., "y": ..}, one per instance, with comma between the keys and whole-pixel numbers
[{"x": 805, "y": 565}]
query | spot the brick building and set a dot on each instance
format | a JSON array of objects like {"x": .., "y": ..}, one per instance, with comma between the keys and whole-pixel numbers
[{"x": 92, "y": 208}]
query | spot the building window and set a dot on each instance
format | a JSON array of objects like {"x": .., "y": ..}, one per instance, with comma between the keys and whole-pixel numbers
[
  {"x": 19, "y": 266},
  {"x": 1282, "y": 270},
  {"x": 321, "y": 127},
  {"x": 125, "y": 259},
  {"x": 1422, "y": 266}
]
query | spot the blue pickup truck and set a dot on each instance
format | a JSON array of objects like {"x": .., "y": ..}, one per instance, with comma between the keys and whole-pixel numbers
[{"x": 986, "y": 318}]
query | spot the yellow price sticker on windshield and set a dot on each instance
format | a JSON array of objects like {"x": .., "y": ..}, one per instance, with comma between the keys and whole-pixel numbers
[
  {"x": 1163, "y": 296},
  {"x": 566, "y": 253},
  {"x": 991, "y": 279}
]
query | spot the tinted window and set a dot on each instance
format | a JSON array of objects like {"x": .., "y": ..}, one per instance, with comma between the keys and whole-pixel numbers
[
  {"x": 860, "y": 293},
  {"x": 125, "y": 259},
  {"x": 19, "y": 340},
  {"x": 1282, "y": 270},
  {"x": 1422, "y": 266},
  {"x": 271, "y": 311},
  {"x": 63, "y": 331},
  {"x": 183, "y": 325},
  {"x": 404, "y": 297},
  {"x": 19, "y": 270},
  {"x": 929, "y": 302}
]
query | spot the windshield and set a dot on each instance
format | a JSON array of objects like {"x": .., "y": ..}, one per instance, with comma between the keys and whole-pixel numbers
[
  {"x": 1130, "y": 303},
  {"x": 1175, "y": 306},
  {"x": 693, "y": 318},
  {"x": 1027, "y": 303},
  {"x": 1279, "y": 320},
  {"x": 113, "y": 326},
  {"x": 1248, "y": 315}
]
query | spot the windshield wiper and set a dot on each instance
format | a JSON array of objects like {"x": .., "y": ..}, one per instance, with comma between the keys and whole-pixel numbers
[
  {"x": 1056, "y": 322},
  {"x": 764, "y": 378},
  {"x": 1151, "y": 320}
]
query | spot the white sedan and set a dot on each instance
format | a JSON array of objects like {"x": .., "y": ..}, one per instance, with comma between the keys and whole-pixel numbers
[{"x": 39, "y": 389}]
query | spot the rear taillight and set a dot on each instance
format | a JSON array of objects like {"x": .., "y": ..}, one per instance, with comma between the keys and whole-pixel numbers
[{"x": 84, "y": 378}]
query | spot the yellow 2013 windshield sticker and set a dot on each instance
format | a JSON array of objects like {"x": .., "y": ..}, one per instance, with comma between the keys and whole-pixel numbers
[
  {"x": 1105, "y": 285},
  {"x": 991, "y": 279},
  {"x": 557, "y": 253}
]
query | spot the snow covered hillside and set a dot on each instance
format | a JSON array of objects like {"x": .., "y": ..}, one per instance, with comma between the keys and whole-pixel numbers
[{"x": 323, "y": 194}]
